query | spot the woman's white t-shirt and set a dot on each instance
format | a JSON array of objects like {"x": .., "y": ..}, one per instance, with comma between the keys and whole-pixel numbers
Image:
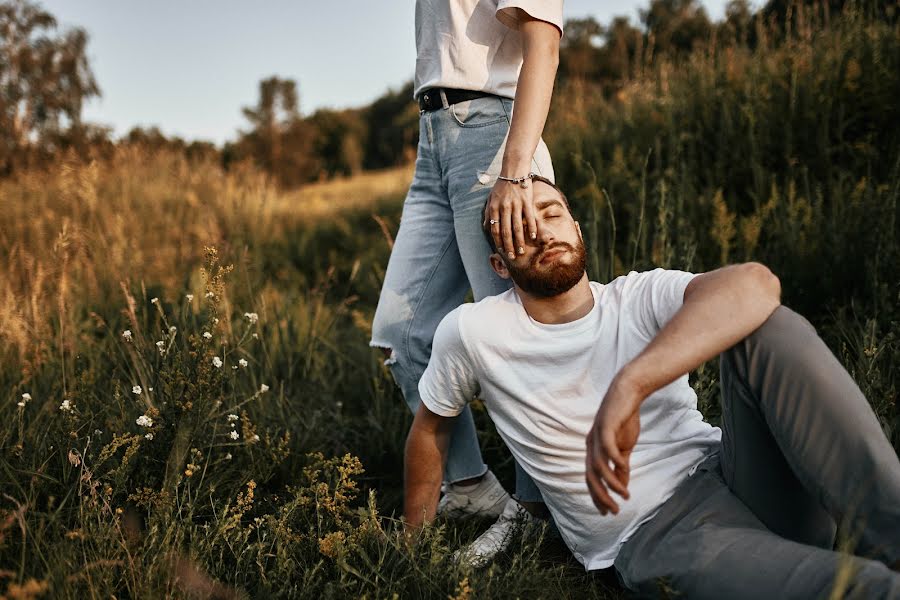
[
  {"x": 542, "y": 385},
  {"x": 474, "y": 44}
]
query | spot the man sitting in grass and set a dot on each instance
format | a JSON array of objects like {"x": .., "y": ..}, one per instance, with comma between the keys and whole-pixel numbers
[{"x": 587, "y": 383}]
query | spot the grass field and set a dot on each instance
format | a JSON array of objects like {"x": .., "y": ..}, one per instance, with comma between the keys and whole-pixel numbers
[{"x": 243, "y": 436}]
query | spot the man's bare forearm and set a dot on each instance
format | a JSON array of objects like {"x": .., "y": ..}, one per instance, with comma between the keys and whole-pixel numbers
[
  {"x": 426, "y": 450},
  {"x": 720, "y": 308},
  {"x": 533, "y": 93}
]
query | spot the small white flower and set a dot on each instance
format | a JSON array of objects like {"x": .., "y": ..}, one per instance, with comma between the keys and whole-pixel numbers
[
  {"x": 234, "y": 367},
  {"x": 136, "y": 390},
  {"x": 263, "y": 388},
  {"x": 20, "y": 404},
  {"x": 173, "y": 329},
  {"x": 233, "y": 417},
  {"x": 234, "y": 434},
  {"x": 217, "y": 362},
  {"x": 66, "y": 406},
  {"x": 26, "y": 397},
  {"x": 144, "y": 421},
  {"x": 207, "y": 335},
  {"x": 252, "y": 317},
  {"x": 161, "y": 344},
  {"x": 154, "y": 301},
  {"x": 255, "y": 438},
  {"x": 189, "y": 297},
  {"x": 216, "y": 320},
  {"x": 228, "y": 456},
  {"x": 243, "y": 362},
  {"x": 149, "y": 389},
  {"x": 127, "y": 335},
  {"x": 255, "y": 336},
  {"x": 98, "y": 432},
  {"x": 209, "y": 294},
  {"x": 149, "y": 436}
]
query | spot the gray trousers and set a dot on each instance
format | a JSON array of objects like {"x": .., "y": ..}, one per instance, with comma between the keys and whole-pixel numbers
[{"x": 801, "y": 447}]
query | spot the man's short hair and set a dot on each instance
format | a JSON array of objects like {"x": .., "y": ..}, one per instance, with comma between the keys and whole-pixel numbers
[{"x": 485, "y": 225}]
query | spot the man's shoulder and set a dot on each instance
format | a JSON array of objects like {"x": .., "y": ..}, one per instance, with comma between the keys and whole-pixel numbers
[{"x": 483, "y": 317}]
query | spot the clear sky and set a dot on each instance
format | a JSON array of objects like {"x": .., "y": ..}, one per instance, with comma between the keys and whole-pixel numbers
[{"x": 189, "y": 66}]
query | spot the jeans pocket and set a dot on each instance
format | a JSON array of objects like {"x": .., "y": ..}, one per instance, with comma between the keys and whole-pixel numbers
[{"x": 480, "y": 112}]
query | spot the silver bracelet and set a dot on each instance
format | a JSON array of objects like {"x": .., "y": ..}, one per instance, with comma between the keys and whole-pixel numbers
[{"x": 523, "y": 181}]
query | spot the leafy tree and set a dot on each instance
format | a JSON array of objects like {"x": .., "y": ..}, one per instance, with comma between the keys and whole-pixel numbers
[{"x": 44, "y": 80}]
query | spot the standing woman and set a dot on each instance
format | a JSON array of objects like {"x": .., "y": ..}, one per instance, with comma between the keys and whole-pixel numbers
[{"x": 475, "y": 61}]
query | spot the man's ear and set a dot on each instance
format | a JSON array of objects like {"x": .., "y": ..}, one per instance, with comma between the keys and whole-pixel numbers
[
  {"x": 499, "y": 266},
  {"x": 578, "y": 229}
]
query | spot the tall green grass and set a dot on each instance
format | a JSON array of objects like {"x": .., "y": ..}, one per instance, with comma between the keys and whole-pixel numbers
[{"x": 787, "y": 153}]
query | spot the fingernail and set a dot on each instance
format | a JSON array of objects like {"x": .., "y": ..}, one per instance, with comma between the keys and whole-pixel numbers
[
  {"x": 511, "y": 255},
  {"x": 533, "y": 235},
  {"x": 521, "y": 250}
]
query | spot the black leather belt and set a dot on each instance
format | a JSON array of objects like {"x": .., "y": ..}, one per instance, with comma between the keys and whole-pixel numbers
[{"x": 430, "y": 99}]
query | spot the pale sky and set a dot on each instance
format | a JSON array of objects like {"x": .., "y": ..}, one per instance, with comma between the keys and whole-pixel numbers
[{"x": 189, "y": 66}]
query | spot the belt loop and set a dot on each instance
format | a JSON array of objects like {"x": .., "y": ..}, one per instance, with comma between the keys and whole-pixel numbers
[{"x": 444, "y": 99}]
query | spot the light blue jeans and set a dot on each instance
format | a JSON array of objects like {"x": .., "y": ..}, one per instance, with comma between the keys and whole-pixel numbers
[{"x": 440, "y": 252}]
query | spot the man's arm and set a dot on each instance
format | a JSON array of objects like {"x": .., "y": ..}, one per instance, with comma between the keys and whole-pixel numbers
[
  {"x": 509, "y": 201},
  {"x": 426, "y": 452},
  {"x": 720, "y": 308}
]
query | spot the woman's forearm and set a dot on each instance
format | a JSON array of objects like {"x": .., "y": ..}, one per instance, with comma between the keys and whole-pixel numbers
[{"x": 533, "y": 93}]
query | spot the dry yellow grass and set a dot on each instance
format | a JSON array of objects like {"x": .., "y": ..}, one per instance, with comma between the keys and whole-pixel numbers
[{"x": 68, "y": 237}]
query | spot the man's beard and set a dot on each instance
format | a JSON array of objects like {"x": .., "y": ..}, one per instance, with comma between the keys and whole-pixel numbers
[{"x": 554, "y": 279}]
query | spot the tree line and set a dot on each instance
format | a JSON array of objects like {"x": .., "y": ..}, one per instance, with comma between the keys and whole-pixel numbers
[{"x": 45, "y": 78}]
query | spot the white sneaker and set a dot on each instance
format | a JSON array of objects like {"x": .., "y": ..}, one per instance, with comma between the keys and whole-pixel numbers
[
  {"x": 487, "y": 498},
  {"x": 497, "y": 538}
]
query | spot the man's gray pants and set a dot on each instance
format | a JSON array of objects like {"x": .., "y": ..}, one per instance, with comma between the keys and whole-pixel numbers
[{"x": 801, "y": 447}]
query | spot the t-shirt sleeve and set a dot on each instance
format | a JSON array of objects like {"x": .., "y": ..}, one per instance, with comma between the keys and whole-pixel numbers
[
  {"x": 449, "y": 380},
  {"x": 655, "y": 297},
  {"x": 550, "y": 11}
]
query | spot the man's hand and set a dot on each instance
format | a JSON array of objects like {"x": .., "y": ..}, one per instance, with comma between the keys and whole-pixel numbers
[
  {"x": 510, "y": 205},
  {"x": 611, "y": 439}
]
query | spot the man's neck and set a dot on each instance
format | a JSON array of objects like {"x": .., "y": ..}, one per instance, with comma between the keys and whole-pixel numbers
[{"x": 564, "y": 308}]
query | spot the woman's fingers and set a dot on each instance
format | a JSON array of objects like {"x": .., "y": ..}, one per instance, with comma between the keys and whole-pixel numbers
[
  {"x": 530, "y": 217},
  {"x": 494, "y": 216},
  {"x": 506, "y": 212}
]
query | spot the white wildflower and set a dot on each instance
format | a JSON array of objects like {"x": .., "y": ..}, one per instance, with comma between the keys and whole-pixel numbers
[
  {"x": 172, "y": 329},
  {"x": 26, "y": 397},
  {"x": 252, "y": 317},
  {"x": 263, "y": 388},
  {"x": 161, "y": 344},
  {"x": 255, "y": 438},
  {"x": 144, "y": 421},
  {"x": 234, "y": 367},
  {"x": 136, "y": 390},
  {"x": 228, "y": 456},
  {"x": 243, "y": 362},
  {"x": 234, "y": 434},
  {"x": 150, "y": 389},
  {"x": 209, "y": 294},
  {"x": 232, "y": 417},
  {"x": 154, "y": 301},
  {"x": 149, "y": 436},
  {"x": 207, "y": 335},
  {"x": 216, "y": 320},
  {"x": 217, "y": 362},
  {"x": 98, "y": 432},
  {"x": 20, "y": 404},
  {"x": 255, "y": 336},
  {"x": 127, "y": 335},
  {"x": 189, "y": 297},
  {"x": 66, "y": 406}
]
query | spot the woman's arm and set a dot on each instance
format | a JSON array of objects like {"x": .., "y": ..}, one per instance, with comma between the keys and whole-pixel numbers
[{"x": 509, "y": 202}]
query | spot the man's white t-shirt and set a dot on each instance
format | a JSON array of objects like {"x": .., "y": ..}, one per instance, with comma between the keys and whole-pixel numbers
[
  {"x": 542, "y": 385},
  {"x": 474, "y": 44}
]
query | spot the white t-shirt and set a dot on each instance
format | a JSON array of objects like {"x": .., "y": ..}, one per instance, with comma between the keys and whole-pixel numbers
[
  {"x": 542, "y": 385},
  {"x": 474, "y": 44}
]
